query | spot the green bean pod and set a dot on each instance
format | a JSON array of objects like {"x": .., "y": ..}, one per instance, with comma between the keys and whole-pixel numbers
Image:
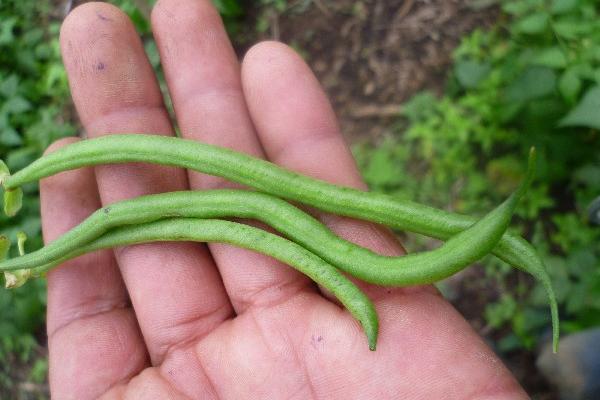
[
  {"x": 300, "y": 227},
  {"x": 269, "y": 178},
  {"x": 237, "y": 234},
  {"x": 130, "y": 218}
]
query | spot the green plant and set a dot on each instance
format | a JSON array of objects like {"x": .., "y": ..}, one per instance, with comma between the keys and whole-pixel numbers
[
  {"x": 530, "y": 80},
  {"x": 34, "y": 111},
  {"x": 293, "y": 223}
]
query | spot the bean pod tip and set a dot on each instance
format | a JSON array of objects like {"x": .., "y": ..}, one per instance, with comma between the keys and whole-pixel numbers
[
  {"x": 14, "y": 279},
  {"x": 4, "y": 172},
  {"x": 13, "y": 198}
]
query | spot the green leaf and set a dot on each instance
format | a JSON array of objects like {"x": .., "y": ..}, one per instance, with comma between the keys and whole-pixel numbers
[
  {"x": 572, "y": 28},
  {"x": 533, "y": 24},
  {"x": 4, "y": 247},
  {"x": 508, "y": 343},
  {"x": 10, "y": 137},
  {"x": 13, "y": 200},
  {"x": 469, "y": 73},
  {"x": 518, "y": 7},
  {"x": 533, "y": 83},
  {"x": 39, "y": 370},
  {"x": 583, "y": 70},
  {"x": 19, "y": 158},
  {"x": 552, "y": 57},
  {"x": 569, "y": 85},
  {"x": 587, "y": 112},
  {"x": 9, "y": 87},
  {"x": 381, "y": 169},
  {"x": 56, "y": 76},
  {"x": 496, "y": 314},
  {"x": 228, "y": 8},
  {"x": 15, "y": 105},
  {"x": 589, "y": 175},
  {"x": 6, "y": 30},
  {"x": 152, "y": 53},
  {"x": 419, "y": 107},
  {"x": 562, "y": 6}
]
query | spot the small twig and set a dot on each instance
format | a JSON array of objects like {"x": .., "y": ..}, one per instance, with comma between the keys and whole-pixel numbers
[
  {"x": 405, "y": 9},
  {"x": 275, "y": 25},
  {"x": 32, "y": 387},
  {"x": 322, "y": 7},
  {"x": 376, "y": 111}
]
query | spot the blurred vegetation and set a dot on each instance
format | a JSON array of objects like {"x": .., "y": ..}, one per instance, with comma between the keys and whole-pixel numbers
[
  {"x": 534, "y": 79},
  {"x": 34, "y": 111}
]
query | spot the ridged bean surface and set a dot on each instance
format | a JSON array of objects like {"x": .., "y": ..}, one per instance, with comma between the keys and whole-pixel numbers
[
  {"x": 412, "y": 269},
  {"x": 269, "y": 178}
]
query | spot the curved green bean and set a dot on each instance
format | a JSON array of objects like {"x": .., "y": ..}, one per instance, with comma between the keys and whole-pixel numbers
[
  {"x": 259, "y": 174},
  {"x": 427, "y": 267},
  {"x": 270, "y": 178},
  {"x": 422, "y": 268},
  {"x": 214, "y": 230},
  {"x": 412, "y": 269}
]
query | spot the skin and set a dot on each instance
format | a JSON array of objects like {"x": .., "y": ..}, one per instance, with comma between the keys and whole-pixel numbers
[{"x": 199, "y": 328}]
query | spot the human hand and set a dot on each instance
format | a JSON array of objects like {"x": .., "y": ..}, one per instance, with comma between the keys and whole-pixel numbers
[{"x": 179, "y": 320}]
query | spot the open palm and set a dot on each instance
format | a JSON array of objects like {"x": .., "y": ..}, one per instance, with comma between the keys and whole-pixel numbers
[{"x": 186, "y": 321}]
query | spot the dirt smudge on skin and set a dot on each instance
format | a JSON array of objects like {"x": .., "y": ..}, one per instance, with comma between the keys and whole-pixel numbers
[
  {"x": 316, "y": 341},
  {"x": 102, "y": 17}
]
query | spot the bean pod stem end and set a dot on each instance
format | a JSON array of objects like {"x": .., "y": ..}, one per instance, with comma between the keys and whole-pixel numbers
[{"x": 13, "y": 198}]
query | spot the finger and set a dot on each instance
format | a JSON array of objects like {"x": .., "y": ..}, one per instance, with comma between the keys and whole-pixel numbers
[
  {"x": 203, "y": 75},
  {"x": 86, "y": 299},
  {"x": 298, "y": 130},
  {"x": 174, "y": 287}
]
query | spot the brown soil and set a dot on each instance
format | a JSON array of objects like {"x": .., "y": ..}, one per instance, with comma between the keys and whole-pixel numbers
[{"x": 372, "y": 55}]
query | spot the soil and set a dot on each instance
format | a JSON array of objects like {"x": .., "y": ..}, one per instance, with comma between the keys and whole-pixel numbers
[{"x": 372, "y": 55}]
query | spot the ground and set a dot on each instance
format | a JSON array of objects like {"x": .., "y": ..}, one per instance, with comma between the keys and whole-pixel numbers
[{"x": 372, "y": 55}]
